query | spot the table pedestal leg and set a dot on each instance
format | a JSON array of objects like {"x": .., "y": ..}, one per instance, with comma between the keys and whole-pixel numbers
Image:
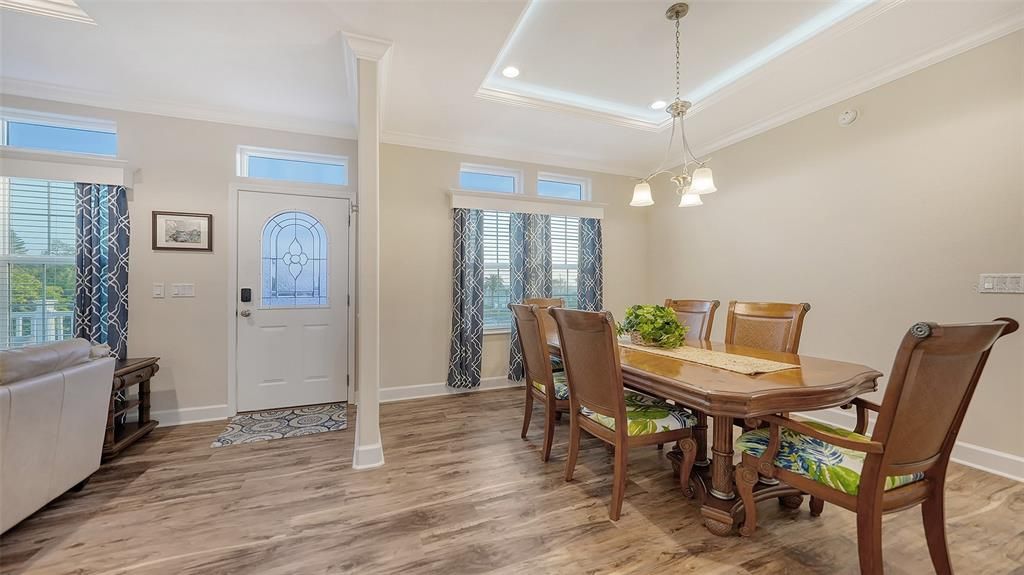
[
  {"x": 721, "y": 459},
  {"x": 700, "y": 433},
  {"x": 715, "y": 485}
]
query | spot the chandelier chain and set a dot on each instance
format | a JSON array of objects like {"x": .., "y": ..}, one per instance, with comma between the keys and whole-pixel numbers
[{"x": 677, "y": 60}]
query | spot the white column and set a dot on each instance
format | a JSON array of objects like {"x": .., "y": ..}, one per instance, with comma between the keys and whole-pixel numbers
[{"x": 370, "y": 54}]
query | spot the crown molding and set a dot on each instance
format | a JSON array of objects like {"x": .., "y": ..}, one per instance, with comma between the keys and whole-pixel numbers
[
  {"x": 513, "y": 153},
  {"x": 62, "y": 10},
  {"x": 844, "y": 26},
  {"x": 996, "y": 29},
  {"x": 98, "y": 99},
  {"x": 367, "y": 47}
]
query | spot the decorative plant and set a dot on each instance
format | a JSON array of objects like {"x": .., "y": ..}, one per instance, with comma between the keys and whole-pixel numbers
[{"x": 653, "y": 325}]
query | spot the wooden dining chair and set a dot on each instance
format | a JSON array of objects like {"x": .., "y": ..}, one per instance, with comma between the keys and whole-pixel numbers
[
  {"x": 604, "y": 408},
  {"x": 698, "y": 314},
  {"x": 543, "y": 384},
  {"x": 903, "y": 462},
  {"x": 770, "y": 326},
  {"x": 549, "y": 322}
]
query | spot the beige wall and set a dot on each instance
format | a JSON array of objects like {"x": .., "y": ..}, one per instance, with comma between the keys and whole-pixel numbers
[
  {"x": 878, "y": 225},
  {"x": 416, "y": 259},
  {"x": 185, "y": 166}
]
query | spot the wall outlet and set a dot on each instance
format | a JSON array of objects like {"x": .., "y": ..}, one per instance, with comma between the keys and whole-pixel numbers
[
  {"x": 1001, "y": 283},
  {"x": 183, "y": 290},
  {"x": 158, "y": 290}
]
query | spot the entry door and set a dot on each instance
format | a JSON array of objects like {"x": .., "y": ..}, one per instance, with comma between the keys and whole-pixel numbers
[{"x": 293, "y": 332}]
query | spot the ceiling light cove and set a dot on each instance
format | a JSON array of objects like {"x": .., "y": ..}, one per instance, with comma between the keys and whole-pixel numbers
[
  {"x": 613, "y": 82},
  {"x": 62, "y": 9}
]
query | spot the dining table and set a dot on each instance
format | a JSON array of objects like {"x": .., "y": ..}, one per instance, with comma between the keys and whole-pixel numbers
[{"x": 731, "y": 399}]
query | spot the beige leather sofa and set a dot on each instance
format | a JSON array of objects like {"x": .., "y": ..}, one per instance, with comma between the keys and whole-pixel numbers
[{"x": 53, "y": 413}]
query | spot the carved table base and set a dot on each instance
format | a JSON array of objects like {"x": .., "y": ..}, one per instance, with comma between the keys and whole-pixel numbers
[{"x": 721, "y": 516}]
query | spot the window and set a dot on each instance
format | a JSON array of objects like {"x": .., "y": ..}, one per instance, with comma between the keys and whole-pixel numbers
[
  {"x": 563, "y": 187},
  {"x": 565, "y": 253},
  {"x": 34, "y": 130},
  {"x": 292, "y": 166},
  {"x": 497, "y": 275},
  {"x": 294, "y": 253},
  {"x": 37, "y": 261},
  {"x": 490, "y": 179}
]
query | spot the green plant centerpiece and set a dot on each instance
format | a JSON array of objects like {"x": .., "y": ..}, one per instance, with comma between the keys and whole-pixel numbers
[{"x": 653, "y": 325}]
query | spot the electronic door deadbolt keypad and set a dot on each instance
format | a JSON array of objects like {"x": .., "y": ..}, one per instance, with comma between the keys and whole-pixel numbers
[{"x": 246, "y": 295}]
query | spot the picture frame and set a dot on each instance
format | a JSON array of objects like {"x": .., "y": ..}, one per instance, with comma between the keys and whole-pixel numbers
[{"x": 182, "y": 232}]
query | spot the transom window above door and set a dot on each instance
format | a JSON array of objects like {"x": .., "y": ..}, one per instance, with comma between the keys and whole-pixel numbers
[
  {"x": 292, "y": 166},
  {"x": 294, "y": 254}
]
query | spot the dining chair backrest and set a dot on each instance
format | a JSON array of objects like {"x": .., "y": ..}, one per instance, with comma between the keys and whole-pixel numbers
[
  {"x": 933, "y": 379},
  {"x": 590, "y": 353},
  {"x": 768, "y": 326},
  {"x": 544, "y": 303},
  {"x": 534, "y": 345},
  {"x": 698, "y": 314}
]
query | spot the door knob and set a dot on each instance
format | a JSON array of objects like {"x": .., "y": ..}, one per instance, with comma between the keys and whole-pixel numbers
[{"x": 245, "y": 312}]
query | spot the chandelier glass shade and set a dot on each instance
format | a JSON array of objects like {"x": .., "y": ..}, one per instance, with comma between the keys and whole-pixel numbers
[
  {"x": 642, "y": 195},
  {"x": 694, "y": 178}
]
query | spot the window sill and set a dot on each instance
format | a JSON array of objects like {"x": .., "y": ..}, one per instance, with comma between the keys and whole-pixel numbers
[{"x": 498, "y": 331}]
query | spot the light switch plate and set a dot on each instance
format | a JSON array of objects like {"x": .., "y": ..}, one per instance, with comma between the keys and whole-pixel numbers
[
  {"x": 158, "y": 290},
  {"x": 183, "y": 290},
  {"x": 1001, "y": 283}
]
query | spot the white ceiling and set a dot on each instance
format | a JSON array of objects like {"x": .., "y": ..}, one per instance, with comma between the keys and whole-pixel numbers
[{"x": 589, "y": 69}]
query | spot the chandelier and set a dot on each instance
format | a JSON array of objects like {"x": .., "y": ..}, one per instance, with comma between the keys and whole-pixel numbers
[{"x": 694, "y": 178}]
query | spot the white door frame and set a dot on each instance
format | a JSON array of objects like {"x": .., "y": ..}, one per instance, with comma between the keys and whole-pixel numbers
[{"x": 241, "y": 184}]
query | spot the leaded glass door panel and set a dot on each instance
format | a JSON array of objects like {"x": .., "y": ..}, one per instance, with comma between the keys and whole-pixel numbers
[{"x": 292, "y": 332}]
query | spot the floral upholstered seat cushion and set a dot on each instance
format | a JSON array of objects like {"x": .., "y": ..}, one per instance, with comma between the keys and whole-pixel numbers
[
  {"x": 556, "y": 363},
  {"x": 561, "y": 387},
  {"x": 647, "y": 415},
  {"x": 819, "y": 460}
]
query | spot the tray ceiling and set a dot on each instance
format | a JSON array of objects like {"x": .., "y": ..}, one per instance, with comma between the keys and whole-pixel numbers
[{"x": 589, "y": 70}]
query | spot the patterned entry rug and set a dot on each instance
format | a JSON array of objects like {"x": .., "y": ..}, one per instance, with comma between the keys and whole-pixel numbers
[{"x": 281, "y": 423}]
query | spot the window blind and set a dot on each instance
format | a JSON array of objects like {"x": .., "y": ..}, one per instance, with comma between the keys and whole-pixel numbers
[
  {"x": 37, "y": 261},
  {"x": 565, "y": 254},
  {"x": 497, "y": 274}
]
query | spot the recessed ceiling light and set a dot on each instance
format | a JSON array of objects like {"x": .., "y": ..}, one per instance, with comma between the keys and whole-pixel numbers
[
  {"x": 659, "y": 105},
  {"x": 510, "y": 72}
]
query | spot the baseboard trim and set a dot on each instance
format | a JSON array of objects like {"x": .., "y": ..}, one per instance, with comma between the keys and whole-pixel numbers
[
  {"x": 367, "y": 456},
  {"x": 989, "y": 460},
  {"x": 406, "y": 392},
  {"x": 188, "y": 415}
]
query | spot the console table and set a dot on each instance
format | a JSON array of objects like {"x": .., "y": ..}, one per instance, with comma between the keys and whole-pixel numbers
[{"x": 121, "y": 433}]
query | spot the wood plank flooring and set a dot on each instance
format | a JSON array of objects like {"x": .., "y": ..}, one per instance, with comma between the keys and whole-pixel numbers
[{"x": 461, "y": 493}]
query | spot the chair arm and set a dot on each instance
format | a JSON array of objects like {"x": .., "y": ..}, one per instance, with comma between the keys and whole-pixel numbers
[
  {"x": 863, "y": 406},
  {"x": 865, "y": 446}
]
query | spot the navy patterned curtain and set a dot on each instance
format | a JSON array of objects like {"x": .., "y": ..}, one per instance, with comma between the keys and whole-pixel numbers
[
  {"x": 530, "y": 272},
  {"x": 101, "y": 260},
  {"x": 590, "y": 280},
  {"x": 466, "y": 350}
]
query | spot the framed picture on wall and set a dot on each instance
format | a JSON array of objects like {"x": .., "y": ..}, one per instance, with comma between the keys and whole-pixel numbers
[{"x": 179, "y": 231}]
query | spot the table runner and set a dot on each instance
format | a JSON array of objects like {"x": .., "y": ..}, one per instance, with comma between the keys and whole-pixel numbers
[{"x": 728, "y": 361}]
